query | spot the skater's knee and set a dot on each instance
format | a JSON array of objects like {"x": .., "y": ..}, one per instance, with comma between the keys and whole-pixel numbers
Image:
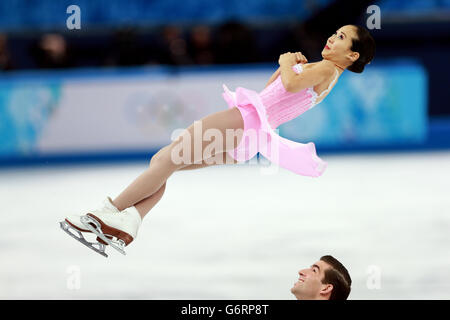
[
  {"x": 157, "y": 157},
  {"x": 163, "y": 159}
]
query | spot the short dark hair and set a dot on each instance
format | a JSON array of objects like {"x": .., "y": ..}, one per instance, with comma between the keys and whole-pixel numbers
[
  {"x": 338, "y": 276},
  {"x": 365, "y": 45}
]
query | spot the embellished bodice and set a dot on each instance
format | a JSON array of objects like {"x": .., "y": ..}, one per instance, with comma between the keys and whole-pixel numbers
[{"x": 282, "y": 105}]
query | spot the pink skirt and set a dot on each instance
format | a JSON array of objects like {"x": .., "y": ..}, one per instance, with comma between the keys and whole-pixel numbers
[
  {"x": 258, "y": 136},
  {"x": 249, "y": 145}
]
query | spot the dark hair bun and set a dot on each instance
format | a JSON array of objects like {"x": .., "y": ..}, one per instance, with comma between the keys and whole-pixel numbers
[{"x": 365, "y": 45}]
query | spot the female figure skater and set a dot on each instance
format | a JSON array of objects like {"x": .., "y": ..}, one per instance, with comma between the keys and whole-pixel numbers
[{"x": 294, "y": 88}]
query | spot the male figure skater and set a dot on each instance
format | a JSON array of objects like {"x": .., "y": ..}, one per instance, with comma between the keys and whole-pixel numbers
[{"x": 327, "y": 279}]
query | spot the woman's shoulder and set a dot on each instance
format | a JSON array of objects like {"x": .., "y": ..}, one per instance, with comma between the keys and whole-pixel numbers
[{"x": 325, "y": 67}]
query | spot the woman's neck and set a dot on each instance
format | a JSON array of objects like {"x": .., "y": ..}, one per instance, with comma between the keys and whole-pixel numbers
[{"x": 337, "y": 65}]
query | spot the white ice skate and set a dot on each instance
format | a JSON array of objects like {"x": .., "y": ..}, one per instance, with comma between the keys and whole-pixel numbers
[
  {"x": 74, "y": 227},
  {"x": 118, "y": 230}
]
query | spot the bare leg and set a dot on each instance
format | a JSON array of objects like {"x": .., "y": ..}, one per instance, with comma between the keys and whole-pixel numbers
[
  {"x": 144, "y": 206},
  {"x": 147, "y": 204},
  {"x": 162, "y": 166},
  {"x": 226, "y": 159}
]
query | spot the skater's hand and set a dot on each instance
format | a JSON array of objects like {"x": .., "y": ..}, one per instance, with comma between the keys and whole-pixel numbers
[
  {"x": 300, "y": 58},
  {"x": 292, "y": 58},
  {"x": 287, "y": 58}
]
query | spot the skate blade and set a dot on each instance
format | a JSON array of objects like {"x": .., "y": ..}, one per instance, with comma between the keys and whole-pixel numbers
[
  {"x": 68, "y": 228},
  {"x": 88, "y": 222}
]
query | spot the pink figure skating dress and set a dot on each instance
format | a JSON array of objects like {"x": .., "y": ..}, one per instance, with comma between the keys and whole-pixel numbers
[{"x": 265, "y": 111}]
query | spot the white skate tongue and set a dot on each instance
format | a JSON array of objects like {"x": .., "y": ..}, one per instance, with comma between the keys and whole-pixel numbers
[
  {"x": 133, "y": 212},
  {"x": 107, "y": 203},
  {"x": 134, "y": 216}
]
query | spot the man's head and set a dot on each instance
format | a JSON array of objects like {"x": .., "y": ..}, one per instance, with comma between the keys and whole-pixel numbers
[{"x": 327, "y": 279}]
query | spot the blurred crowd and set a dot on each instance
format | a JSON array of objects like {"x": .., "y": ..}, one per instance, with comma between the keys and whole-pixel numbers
[
  {"x": 228, "y": 43},
  {"x": 5, "y": 55}
]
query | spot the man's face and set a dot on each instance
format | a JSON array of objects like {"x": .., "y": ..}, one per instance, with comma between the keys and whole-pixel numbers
[{"x": 309, "y": 285}]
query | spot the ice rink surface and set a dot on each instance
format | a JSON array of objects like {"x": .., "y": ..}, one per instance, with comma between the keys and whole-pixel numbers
[{"x": 234, "y": 231}]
